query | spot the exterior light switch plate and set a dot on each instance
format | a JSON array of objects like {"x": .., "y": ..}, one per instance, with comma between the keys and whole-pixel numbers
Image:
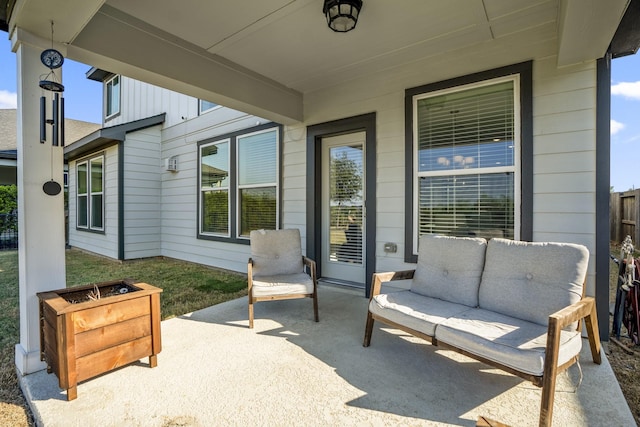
[{"x": 390, "y": 247}]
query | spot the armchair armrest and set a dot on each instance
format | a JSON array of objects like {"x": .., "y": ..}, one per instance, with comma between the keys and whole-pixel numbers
[
  {"x": 311, "y": 265},
  {"x": 379, "y": 278}
]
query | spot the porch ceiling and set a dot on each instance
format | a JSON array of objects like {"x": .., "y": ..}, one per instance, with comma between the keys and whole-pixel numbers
[{"x": 262, "y": 56}]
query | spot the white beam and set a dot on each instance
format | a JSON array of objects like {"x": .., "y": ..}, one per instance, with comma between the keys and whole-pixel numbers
[
  {"x": 121, "y": 44},
  {"x": 586, "y": 28}
]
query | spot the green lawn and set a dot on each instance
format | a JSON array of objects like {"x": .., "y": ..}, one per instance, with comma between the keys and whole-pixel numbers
[{"x": 186, "y": 287}]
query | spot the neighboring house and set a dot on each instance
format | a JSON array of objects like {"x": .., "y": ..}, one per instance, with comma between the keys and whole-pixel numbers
[
  {"x": 74, "y": 129},
  {"x": 133, "y": 185}
]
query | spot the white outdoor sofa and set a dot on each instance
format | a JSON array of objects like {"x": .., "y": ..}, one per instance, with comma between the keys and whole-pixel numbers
[{"x": 513, "y": 305}]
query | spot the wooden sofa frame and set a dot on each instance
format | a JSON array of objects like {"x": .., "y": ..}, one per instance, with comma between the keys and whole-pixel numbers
[{"x": 583, "y": 309}]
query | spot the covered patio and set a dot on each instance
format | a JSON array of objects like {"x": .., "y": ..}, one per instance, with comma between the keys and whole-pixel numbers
[
  {"x": 277, "y": 60},
  {"x": 289, "y": 370}
]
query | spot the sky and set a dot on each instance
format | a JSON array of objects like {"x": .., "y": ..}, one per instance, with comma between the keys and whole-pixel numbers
[{"x": 83, "y": 101}]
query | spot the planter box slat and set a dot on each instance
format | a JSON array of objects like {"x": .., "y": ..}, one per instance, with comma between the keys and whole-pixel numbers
[
  {"x": 84, "y": 339},
  {"x": 106, "y": 360},
  {"x": 112, "y": 335},
  {"x": 93, "y": 318}
]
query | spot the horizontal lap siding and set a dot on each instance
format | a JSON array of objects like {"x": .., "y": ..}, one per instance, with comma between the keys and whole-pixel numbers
[
  {"x": 565, "y": 155},
  {"x": 564, "y": 137},
  {"x": 142, "y": 193},
  {"x": 100, "y": 243},
  {"x": 178, "y": 217}
]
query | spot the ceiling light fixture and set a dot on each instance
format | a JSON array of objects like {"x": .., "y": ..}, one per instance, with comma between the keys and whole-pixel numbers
[{"x": 342, "y": 15}]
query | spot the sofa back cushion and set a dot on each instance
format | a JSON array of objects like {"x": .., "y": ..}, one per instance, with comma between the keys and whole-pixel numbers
[
  {"x": 449, "y": 268},
  {"x": 276, "y": 252},
  {"x": 529, "y": 280}
]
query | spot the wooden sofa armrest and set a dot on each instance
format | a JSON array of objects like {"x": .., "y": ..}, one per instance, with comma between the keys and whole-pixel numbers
[
  {"x": 379, "y": 278},
  {"x": 583, "y": 309}
]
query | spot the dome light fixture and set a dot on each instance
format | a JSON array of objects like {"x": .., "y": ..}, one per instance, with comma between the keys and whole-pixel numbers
[{"x": 342, "y": 15}]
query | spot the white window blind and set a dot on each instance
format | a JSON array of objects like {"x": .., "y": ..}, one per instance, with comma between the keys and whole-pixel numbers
[
  {"x": 465, "y": 163},
  {"x": 257, "y": 181}
]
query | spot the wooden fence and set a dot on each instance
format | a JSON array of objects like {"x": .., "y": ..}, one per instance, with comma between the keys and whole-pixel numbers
[{"x": 624, "y": 216}]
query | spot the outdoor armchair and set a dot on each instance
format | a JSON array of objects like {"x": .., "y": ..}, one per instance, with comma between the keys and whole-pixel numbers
[{"x": 277, "y": 269}]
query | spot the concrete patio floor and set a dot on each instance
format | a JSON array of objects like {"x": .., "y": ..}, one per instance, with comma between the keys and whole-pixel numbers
[{"x": 289, "y": 370}]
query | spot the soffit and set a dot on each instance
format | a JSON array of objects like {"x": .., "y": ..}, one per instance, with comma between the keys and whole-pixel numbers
[{"x": 263, "y": 56}]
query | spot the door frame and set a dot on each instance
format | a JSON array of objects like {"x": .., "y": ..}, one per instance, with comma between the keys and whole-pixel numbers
[{"x": 315, "y": 134}]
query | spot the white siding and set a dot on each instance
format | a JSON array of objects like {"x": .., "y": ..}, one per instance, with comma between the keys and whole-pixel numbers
[
  {"x": 100, "y": 243},
  {"x": 564, "y": 161},
  {"x": 564, "y": 148},
  {"x": 179, "y": 191},
  {"x": 564, "y": 142},
  {"x": 142, "y": 193}
]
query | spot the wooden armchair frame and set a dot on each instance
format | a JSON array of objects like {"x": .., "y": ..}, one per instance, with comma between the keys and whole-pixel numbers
[
  {"x": 310, "y": 266},
  {"x": 585, "y": 309}
]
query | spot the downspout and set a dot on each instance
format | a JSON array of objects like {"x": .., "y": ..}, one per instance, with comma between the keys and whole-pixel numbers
[
  {"x": 603, "y": 185},
  {"x": 121, "y": 200}
]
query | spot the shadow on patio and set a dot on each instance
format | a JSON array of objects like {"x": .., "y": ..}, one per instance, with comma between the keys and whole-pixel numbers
[{"x": 289, "y": 370}]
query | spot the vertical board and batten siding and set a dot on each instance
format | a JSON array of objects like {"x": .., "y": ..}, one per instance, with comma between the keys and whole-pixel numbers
[
  {"x": 179, "y": 216},
  {"x": 105, "y": 243},
  {"x": 142, "y": 193},
  {"x": 139, "y": 100}
]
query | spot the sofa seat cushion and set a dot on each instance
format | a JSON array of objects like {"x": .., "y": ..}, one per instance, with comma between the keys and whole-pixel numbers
[
  {"x": 414, "y": 311},
  {"x": 285, "y": 284},
  {"x": 449, "y": 268},
  {"x": 509, "y": 341}
]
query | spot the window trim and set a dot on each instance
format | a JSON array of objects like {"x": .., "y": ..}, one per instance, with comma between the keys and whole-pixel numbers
[
  {"x": 108, "y": 116},
  {"x": 88, "y": 160},
  {"x": 523, "y": 179},
  {"x": 201, "y": 111},
  {"x": 201, "y": 191},
  {"x": 234, "y": 189}
]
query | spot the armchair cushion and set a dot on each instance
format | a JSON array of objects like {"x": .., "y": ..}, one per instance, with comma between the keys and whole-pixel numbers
[
  {"x": 276, "y": 252},
  {"x": 513, "y": 342},
  {"x": 449, "y": 268},
  {"x": 283, "y": 284}
]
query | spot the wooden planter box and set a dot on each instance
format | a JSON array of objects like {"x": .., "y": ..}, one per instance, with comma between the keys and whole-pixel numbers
[{"x": 81, "y": 340}]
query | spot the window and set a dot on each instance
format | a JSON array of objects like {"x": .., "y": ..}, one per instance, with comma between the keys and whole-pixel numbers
[
  {"x": 112, "y": 97},
  {"x": 239, "y": 183},
  {"x": 90, "y": 194},
  {"x": 470, "y": 167},
  {"x": 204, "y": 106}
]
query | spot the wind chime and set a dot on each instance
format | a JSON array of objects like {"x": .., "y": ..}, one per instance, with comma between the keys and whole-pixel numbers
[{"x": 51, "y": 85}]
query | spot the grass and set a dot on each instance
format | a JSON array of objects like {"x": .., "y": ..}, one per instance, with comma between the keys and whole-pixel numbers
[{"x": 186, "y": 287}]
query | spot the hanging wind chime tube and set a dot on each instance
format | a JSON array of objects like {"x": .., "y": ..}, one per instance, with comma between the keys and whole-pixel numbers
[{"x": 52, "y": 59}]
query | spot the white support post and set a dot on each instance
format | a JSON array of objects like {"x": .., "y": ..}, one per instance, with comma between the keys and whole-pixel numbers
[{"x": 40, "y": 216}]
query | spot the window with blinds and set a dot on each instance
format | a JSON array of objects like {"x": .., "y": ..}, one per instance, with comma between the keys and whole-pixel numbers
[
  {"x": 257, "y": 182},
  {"x": 214, "y": 188},
  {"x": 90, "y": 194},
  {"x": 239, "y": 183},
  {"x": 466, "y": 143}
]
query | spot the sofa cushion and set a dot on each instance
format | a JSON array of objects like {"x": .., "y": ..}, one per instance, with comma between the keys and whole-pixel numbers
[
  {"x": 299, "y": 283},
  {"x": 512, "y": 342},
  {"x": 530, "y": 281},
  {"x": 449, "y": 268},
  {"x": 276, "y": 252},
  {"x": 414, "y": 311}
]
